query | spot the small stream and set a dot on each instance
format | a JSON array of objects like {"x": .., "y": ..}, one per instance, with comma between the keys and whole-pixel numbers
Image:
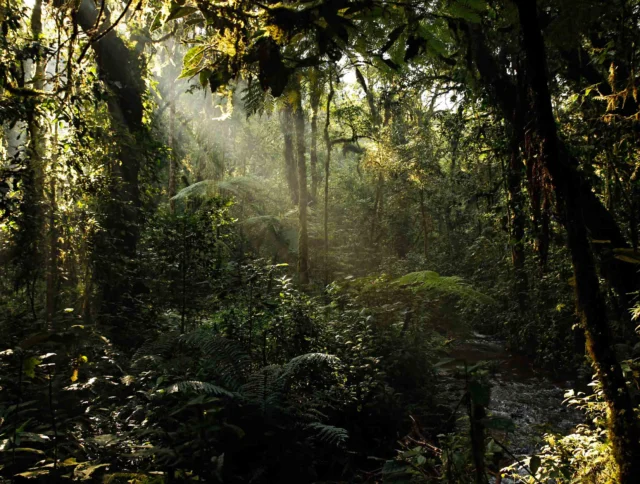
[{"x": 531, "y": 399}]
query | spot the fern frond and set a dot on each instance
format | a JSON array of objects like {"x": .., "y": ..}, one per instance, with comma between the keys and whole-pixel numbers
[
  {"x": 265, "y": 389},
  {"x": 255, "y": 99},
  {"x": 309, "y": 360},
  {"x": 160, "y": 348},
  {"x": 204, "y": 189},
  {"x": 329, "y": 434},
  {"x": 452, "y": 285},
  {"x": 229, "y": 359},
  {"x": 200, "y": 387},
  {"x": 238, "y": 186}
]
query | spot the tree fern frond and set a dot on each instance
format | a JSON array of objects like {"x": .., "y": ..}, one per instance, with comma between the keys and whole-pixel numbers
[
  {"x": 255, "y": 99},
  {"x": 265, "y": 389},
  {"x": 329, "y": 434},
  {"x": 157, "y": 349},
  {"x": 229, "y": 359},
  {"x": 200, "y": 387},
  {"x": 204, "y": 189},
  {"x": 239, "y": 186},
  {"x": 432, "y": 281},
  {"x": 309, "y": 360}
]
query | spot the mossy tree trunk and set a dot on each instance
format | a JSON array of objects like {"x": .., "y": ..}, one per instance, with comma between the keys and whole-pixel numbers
[
  {"x": 121, "y": 71},
  {"x": 623, "y": 425},
  {"x": 303, "y": 232},
  {"x": 315, "y": 90},
  {"x": 287, "y": 127}
]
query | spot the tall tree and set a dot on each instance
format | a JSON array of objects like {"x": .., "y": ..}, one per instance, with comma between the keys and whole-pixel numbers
[
  {"x": 315, "y": 91},
  {"x": 624, "y": 431},
  {"x": 287, "y": 128},
  {"x": 303, "y": 234},
  {"x": 121, "y": 71}
]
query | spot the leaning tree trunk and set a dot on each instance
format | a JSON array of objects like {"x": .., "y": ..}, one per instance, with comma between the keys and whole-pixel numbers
[
  {"x": 120, "y": 70},
  {"x": 623, "y": 426},
  {"x": 303, "y": 234}
]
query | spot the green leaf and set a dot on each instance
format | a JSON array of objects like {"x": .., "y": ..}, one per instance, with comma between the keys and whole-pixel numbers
[
  {"x": 188, "y": 73},
  {"x": 29, "y": 366},
  {"x": 203, "y": 78},
  {"x": 178, "y": 11},
  {"x": 194, "y": 56},
  {"x": 534, "y": 464},
  {"x": 157, "y": 22}
]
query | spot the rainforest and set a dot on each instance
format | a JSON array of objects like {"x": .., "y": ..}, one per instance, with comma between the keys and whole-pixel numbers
[{"x": 320, "y": 241}]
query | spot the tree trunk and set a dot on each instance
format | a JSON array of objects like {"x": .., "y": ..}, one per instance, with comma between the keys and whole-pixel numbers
[
  {"x": 327, "y": 166},
  {"x": 600, "y": 223},
  {"x": 425, "y": 224},
  {"x": 52, "y": 262},
  {"x": 517, "y": 213},
  {"x": 287, "y": 127},
  {"x": 303, "y": 235},
  {"x": 314, "y": 98},
  {"x": 30, "y": 237},
  {"x": 623, "y": 426},
  {"x": 120, "y": 70},
  {"x": 172, "y": 148}
]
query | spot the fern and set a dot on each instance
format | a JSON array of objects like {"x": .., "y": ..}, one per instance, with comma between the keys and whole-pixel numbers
[
  {"x": 256, "y": 100},
  {"x": 156, "y": 350},
  {"x": 309, "y": 360},
  {"x": 329, "y": 434},
  {"x": 452, "y": 285},
  {"x": 229, "y": 359},
  {"x": 265, "y": 389},
  {"x": 238, "y": 186},
  {"x": 199, "y": 386}
]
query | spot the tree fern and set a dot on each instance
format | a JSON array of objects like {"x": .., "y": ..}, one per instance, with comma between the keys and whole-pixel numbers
[
  {"x": 200, "y": 387},
  {"x": 307, "y": 361},
  {"x": 154, "y": 350},
  {"x": 227, "y": 358},
  {"x": 452, "y": 285},
  {"x": 256, "y": 100},
  {"x": 265, "y": 389},
  {"x": 329, "y": 434},
  {"x": 238, "y": 186}
]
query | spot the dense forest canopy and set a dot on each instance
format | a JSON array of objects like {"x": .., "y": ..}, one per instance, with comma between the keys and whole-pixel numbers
[{"x": 320, "y": 241}]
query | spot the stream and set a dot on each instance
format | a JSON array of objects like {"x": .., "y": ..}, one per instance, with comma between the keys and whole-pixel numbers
[{"x": 520, "y": 392}]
